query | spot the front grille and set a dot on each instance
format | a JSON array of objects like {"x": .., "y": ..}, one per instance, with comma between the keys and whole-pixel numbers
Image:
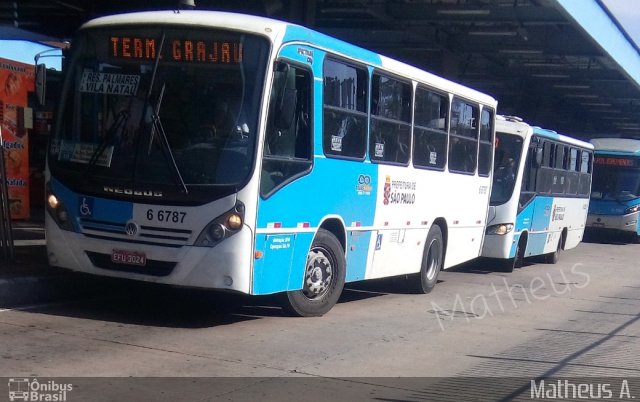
[
  {"x": 152, "y": 267},
  {"x": 152, "y": 235}
]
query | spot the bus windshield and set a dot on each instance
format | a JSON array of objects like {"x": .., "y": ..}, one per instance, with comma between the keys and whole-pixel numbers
[
  {"x": 506, "y": 162},
  {"x": 615, "y": 182},
  {"x": 171, "y": 108}
]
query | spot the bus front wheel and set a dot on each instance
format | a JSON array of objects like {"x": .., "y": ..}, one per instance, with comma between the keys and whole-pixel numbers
[
  {"x": 553, "y": 257},
  {"x": 432, "y": 261},
  {"x": 509, "y": 264},
  {"x": 323, "y": 281}
]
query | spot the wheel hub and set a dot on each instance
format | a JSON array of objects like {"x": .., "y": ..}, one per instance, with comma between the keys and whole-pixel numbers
[{"x": 318, "y": 275}]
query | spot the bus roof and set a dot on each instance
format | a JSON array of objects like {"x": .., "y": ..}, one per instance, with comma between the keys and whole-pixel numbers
[
  {"x": 512, "y": 125},
  {"x": 543, "y": 132},
  {"x": 280, "y": 32},
  {"x": 515, "y": 125},
  {"x": 627, "y": 146}
]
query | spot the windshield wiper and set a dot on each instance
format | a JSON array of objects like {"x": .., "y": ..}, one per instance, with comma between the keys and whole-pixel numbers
[
  {"x": 164, "y": 141},
  {"x": 119, "y": 123},
  {"x": 156, "y": 124}
]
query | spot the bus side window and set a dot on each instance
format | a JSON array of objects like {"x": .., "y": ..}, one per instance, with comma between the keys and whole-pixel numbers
[
  {"x": 463, "y": 141},
  {"x": 486, "y": 141},
  {"x": 287, "y": 144},
  {"x": 345, "y": 90},
  {"x": 430, "y": 129},
  {"x": 390, "y": 140}
]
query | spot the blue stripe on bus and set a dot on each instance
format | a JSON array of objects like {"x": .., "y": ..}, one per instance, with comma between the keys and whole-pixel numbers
[
  {"x": 334, "y": 186},
  {"x": 100, "y": 209},
  {"x": 534, "y": 219},
  {"x": 298, "y": 33}
]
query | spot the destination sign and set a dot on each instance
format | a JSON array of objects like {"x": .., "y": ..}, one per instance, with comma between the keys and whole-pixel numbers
[
  {"x": 180, "y": 50},
  {"x": 614, "y": 161}
]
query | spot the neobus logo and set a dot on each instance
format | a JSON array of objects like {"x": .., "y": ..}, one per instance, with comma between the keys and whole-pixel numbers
[{"x": 130, "y": 191}]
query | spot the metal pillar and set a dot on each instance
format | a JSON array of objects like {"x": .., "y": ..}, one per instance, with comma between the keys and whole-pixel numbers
[{"x": 6, "y": 234}]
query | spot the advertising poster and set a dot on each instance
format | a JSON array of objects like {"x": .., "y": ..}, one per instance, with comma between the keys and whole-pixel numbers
[{"x": 16, "y": 80}]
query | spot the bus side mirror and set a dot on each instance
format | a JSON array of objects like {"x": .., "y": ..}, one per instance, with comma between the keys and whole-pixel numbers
[
  {"x": 41, "y": 83},
  {"x": 538, "y": 156}
]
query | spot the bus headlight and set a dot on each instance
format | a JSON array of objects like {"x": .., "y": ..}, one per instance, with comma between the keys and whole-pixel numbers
[
  {"x": 224, "y": 226},
  {"x": 53, "y": 202},
  {"x": 234, "y": 221},
  {"x": 216, "y": 232},
  {"x": 57, "y": 211},
  {"x": 501, "y": 229},
  {"x": 632, "y": 210}
]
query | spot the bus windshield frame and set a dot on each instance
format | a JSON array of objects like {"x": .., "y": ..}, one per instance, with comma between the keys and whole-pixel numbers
[{"x": 167, "y": 111}]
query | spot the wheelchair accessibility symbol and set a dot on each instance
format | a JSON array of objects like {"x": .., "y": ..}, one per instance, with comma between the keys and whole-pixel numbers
[{"x": 85, "y": 206}]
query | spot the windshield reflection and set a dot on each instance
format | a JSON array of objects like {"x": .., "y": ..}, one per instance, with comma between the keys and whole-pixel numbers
[
  {"x": 507, "y": 159},
  {"x": 615, "y": 183}
]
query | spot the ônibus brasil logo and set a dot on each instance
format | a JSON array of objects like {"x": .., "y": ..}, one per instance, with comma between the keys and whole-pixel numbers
[{"x": 30, "y": 389}]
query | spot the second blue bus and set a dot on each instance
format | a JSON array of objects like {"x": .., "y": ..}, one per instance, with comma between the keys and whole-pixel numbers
[
  {"x": 615, "y": 199},
  {"x": 540, "y": 194}
]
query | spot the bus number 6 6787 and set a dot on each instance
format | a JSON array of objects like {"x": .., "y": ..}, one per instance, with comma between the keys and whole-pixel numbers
[{"x": 166, "y": 215}]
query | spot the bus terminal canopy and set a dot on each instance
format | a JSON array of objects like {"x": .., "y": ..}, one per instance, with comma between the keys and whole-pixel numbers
[{"x": 562, "y": 64}]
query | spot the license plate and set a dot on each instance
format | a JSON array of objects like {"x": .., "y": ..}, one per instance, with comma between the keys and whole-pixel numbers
[
  {"x": 597, "y": 224},
  {"x": 128, "y": 257}
]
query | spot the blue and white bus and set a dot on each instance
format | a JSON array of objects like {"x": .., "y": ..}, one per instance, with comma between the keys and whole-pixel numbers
[
  {"x": 232, "y": 152},
  {"x": 615, "y": 196},
  {"x": 540, "y": 194}
]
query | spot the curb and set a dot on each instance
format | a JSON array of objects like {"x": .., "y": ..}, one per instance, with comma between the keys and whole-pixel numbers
[{"x": 30, "y": 280}]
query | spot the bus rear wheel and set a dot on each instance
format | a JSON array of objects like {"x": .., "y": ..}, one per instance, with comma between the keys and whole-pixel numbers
[
  {"x": 432, "y": 261},
  {"x": 323, "y": 281}
]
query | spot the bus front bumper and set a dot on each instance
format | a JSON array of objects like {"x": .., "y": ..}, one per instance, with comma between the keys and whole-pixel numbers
[
  {"x": 227, "y": 266},
  {"x": 624, "y": 223}
]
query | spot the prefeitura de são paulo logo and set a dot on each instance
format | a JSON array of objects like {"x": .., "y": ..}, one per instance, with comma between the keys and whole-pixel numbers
[{"x": 32, "y": 389}]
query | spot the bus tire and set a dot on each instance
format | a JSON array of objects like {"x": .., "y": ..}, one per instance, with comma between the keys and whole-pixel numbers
[
  {"x": 432, "y": 261},
  {"x": 324, "y": 276},
  {"x": 554, "y": 257},
  {"x": 506, "y": 265},
  {"x": 510, "y": 264}
]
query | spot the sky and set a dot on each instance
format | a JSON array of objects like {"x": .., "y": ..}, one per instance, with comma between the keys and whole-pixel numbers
[
  {"x": 627, "y": 12},
  {"x": 25, "y": 52}
]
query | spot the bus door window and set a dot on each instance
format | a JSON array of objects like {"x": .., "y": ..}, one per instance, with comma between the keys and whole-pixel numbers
[
  {"x": 287, "y": 145},
  {"x": 530, "y": 174}
]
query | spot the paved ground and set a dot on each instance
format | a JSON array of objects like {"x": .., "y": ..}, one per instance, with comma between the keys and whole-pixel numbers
[{"x": 573, "y": 319}]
